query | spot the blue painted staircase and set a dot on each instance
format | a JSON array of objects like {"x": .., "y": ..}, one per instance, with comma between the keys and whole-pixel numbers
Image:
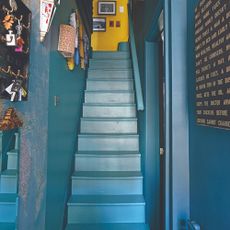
[
  {"x": 8, "y": 185},
  {"x": 107, "y": 184}
]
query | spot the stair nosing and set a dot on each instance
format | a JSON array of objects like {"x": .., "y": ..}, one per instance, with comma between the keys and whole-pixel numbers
[
  {"x": 108, "y": 175},
  {"x": 108, "y": 153},
  {"x": 108, "y": 135},
  {"x": 89, "y": 200}
]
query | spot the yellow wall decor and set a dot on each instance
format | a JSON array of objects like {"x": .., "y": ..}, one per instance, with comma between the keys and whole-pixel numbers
[{"x": 117, "y": 28}]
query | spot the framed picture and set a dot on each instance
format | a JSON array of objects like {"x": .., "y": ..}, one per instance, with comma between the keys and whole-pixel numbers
[
  {"x": 99, "y": 24},
  {"x": 106, "y": 7}
]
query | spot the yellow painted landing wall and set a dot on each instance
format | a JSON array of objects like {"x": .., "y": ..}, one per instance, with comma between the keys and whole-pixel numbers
[{"x": 109, "y": 40}]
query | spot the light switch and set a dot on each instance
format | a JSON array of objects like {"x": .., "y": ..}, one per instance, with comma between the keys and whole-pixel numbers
[{"x": 121, "y": 9}]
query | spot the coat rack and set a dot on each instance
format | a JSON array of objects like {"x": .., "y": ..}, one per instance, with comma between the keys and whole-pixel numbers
[{"x": 47, "y": 12}]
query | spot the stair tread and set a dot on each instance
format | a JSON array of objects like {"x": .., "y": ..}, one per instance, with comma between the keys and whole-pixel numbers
[
  {"x": 7, "y": 226},
  {"x": 107, "y": 227},
  {"x": 104, "y": 79},
  {"x": 107, "y": 174},
  {"x": 8, "y": 198},
  {"x": 9, "y": 172},
  {"x": 106, "y": 199},
  {"x": 109, "y": 118},
  {"x": 109, "y": 153}
]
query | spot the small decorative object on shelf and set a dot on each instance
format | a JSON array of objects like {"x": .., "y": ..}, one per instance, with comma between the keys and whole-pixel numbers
[
  {"x": 106, "y": 7},
  {"x": 10, "y": 120},
  {"x": 47, "y": 12},
  {"x": 66, "y": 43},
  {"x": 15, "y": 24}
]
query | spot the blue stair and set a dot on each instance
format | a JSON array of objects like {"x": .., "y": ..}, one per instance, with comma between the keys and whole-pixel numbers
[
  {"x": 8, "y": 190},
  {"x": 107, "y": 183}
]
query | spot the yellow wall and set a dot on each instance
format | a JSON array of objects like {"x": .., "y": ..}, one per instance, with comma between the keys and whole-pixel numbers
[{"x": 109, "y": 40}]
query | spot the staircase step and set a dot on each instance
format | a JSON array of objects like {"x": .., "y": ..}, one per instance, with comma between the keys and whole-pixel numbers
[
  {"x": 8, "y": 208},
  {"x": 108, "y": 125},
  {"x": 109, "y": 110},
  {"x": 110, "y": 55},
  {"x": 106, "y": 209},
  {"x": 115, "y": 96},
  {"x": 110, "y": 73},
  {"x": 107, "y": 183},
  {"x": 108, "y": 161},
  {"x": 12, "y": 161},
  {"x": 8, "y": 181},
  {"x": 107, "y": 227},
  {"x": 7, "y": 226},
  {"x": 109, "y": 142},
  {"x": 109, "y": 84},
  {"x": 110, "y": 64}
]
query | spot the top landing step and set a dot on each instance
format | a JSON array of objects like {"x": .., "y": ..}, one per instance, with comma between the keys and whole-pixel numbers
[{"x": 111, "y": 55}]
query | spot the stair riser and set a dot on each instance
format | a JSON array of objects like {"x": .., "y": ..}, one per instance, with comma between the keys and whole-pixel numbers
[
  {"x": 115, "y": 163},
  {"x": 12, "y": 162},
  {"x": 108, "y": 126},
  {"x": 111, "y": 55},
  {"x": 121, "y": 74},
  {"x": 110, "y": 64},
  {"x": 8, "y": 184},
  {"x": 110, "y": 186},
  {"x": 98, "y": 97},
  {"x": 137, "y": 226},
  {"x": 108, "y": 144},
  {"x": 109, "y": 111},
  {"x": 106, "y": 213},
  {"x": 7, "y": 212}
]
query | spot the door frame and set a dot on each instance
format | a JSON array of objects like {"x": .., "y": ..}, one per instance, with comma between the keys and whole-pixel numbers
[{"x": 176, "y": 197}]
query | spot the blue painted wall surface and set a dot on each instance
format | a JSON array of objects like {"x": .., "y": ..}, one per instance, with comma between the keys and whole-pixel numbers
[
  {"x": 48, "y": 136},
  {"x": 34, "y": 134},
  {"x": 209, "y": 158},
  {"x": 63, "y": 124}
]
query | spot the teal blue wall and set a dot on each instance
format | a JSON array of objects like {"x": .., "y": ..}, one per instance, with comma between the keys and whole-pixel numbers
[
  {"x": 34, "y": 112},
  {"x": 63, "y": 124},
  {"x": 48, "y": 136},
  {"x": 209, "y": 158}
]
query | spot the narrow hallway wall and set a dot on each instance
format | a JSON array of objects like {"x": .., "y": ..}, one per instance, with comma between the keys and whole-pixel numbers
[
  {"x": 209, "y": 157},
  {"x": 63, "y": 123},
  {"x": 33, "y": 149}
]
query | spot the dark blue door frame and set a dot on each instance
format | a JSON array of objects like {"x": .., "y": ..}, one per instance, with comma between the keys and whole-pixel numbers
[{"x": 176, "y": 111}]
